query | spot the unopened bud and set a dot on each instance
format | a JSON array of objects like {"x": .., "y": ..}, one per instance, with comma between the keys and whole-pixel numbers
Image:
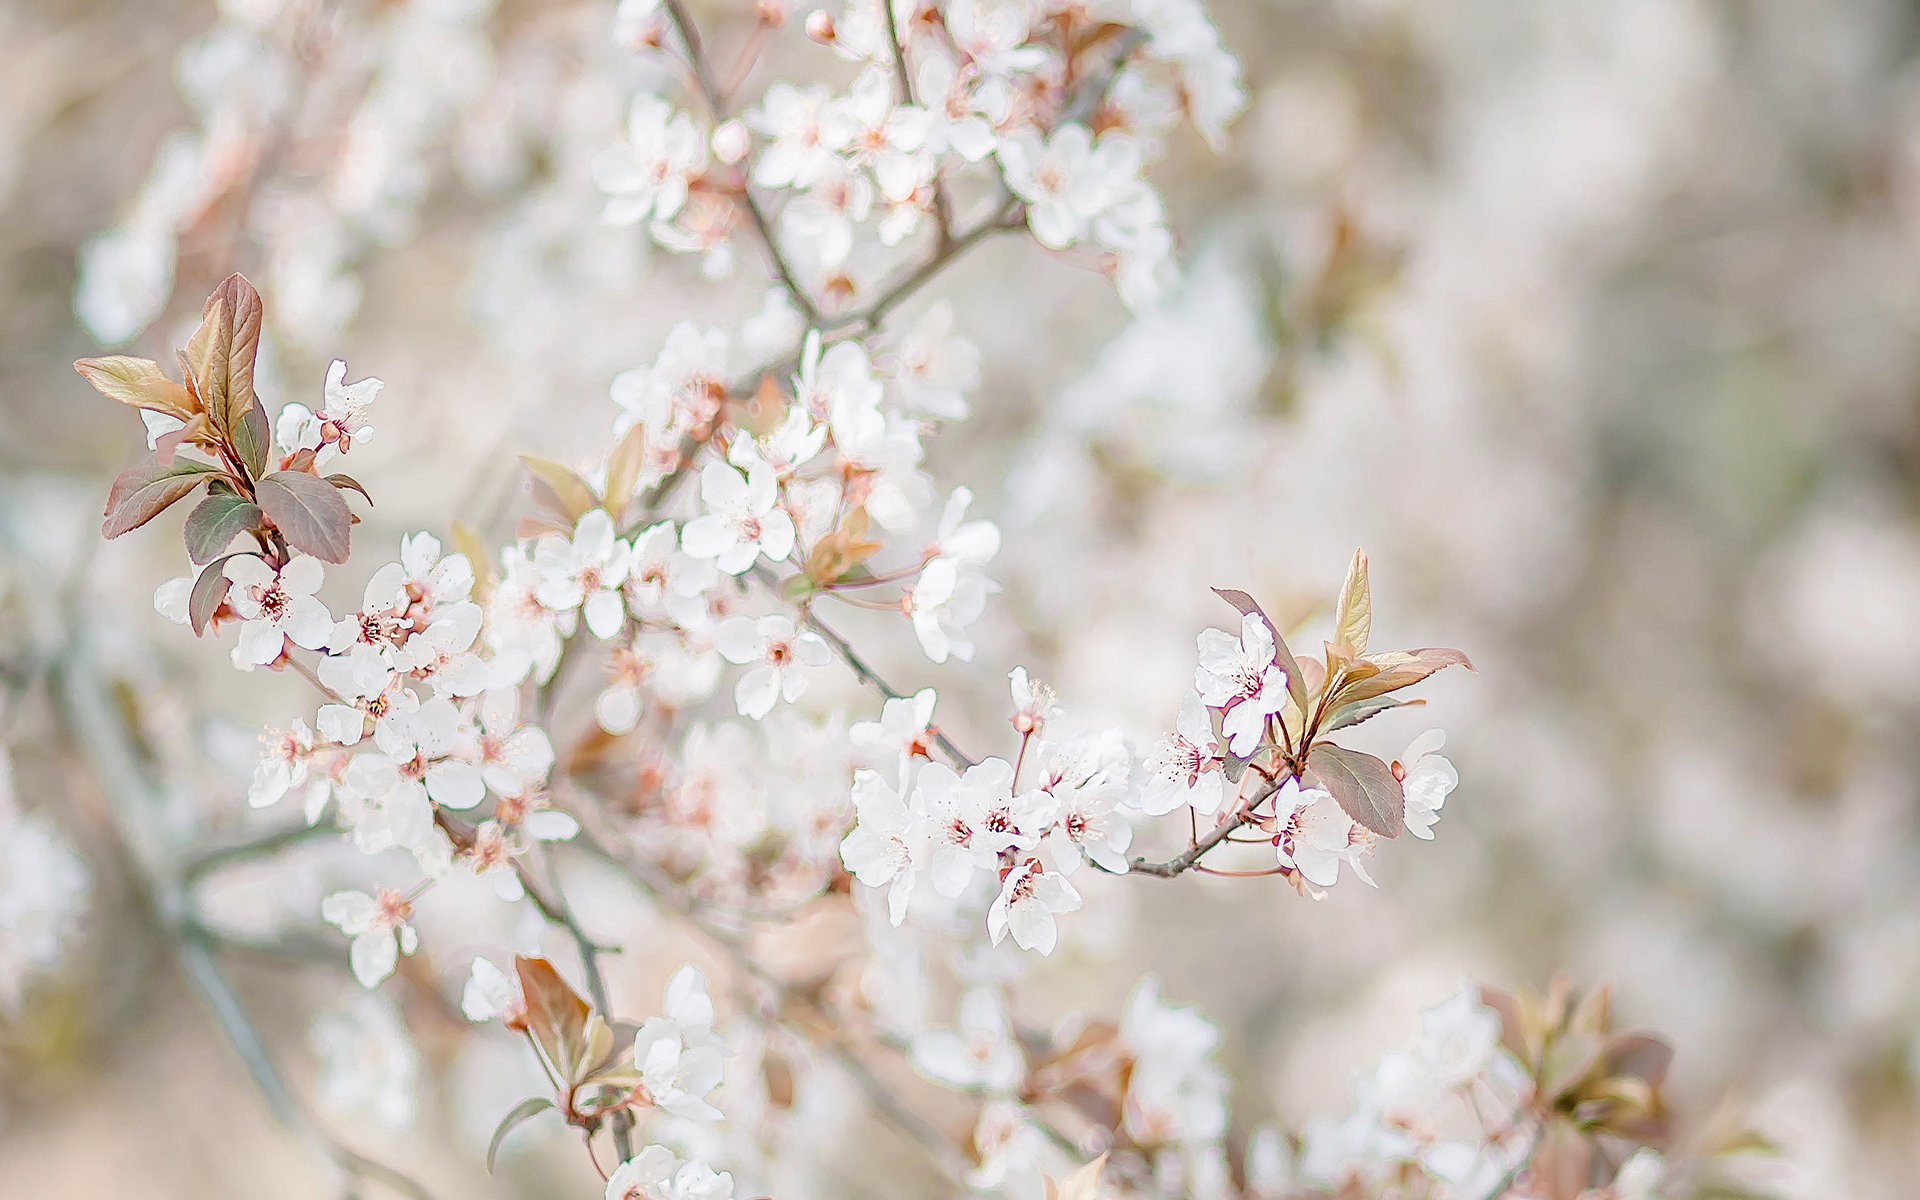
[
  {"x": 820, "y": 26},
  {"x": 732, "y": 141},
  {"x": 773, "y": 13}
]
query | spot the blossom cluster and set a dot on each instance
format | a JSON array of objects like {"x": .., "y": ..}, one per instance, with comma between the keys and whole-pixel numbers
[
  {"x": 1031, "y": 824},
  {"x": 1054, "y": 108},
  {"x": 1458, "y": 1110},
  {"x": 954, "y": 829}
]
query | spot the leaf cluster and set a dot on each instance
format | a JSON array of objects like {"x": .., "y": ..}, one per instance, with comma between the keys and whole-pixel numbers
[
  {"x": 1598, "y": 1089},
  {"x": 220, "y": 417},
  {"x": 577, "y": 1047},
  {"x": 1343, "y": 687}
]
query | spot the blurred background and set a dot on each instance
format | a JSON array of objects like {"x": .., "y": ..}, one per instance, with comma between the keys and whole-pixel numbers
[{"x": 1596, "y": 324}]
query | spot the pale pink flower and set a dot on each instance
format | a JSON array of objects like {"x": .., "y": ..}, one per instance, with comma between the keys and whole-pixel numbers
[
  {"x": 777, "y": 650},
  {"x": 277, "y": 606},
  {"x": 380, "y": 929},
  {"x": 742, "y": 521},
  {"x": 1241, "y": 676},
  {"x": 887, "y": 842},
  {"x": 1184, "y": 767},
  {"x": 1030, "y": 897}
]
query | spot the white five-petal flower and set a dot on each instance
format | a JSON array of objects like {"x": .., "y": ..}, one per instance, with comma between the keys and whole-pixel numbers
[{"x": 277, "y": 606}]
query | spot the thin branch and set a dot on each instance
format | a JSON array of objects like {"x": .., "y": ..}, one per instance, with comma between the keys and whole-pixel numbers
[
  {"x": 560, "y": 912},
  {"x": 867, "y": 675},
  {"x": 1182, "y": 863},
  {"x": 137, "y": 805},
  {"x": 885, "y": 1104},
  {"x": 903, "y": 93},
  {"x": 712, "y": 93},
  {"x": 213, "y": 860},
  {"x": 869, "y": 318}
]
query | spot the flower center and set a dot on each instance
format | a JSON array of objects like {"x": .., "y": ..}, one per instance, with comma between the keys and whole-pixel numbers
[{"x": 274, "y": 602}]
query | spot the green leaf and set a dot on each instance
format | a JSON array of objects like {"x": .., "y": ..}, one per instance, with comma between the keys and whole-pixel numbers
[
  {"x": 564, "y": 491},
  {"x": 252, "y": 440},
  {"x": 1296, "y": 682},
  {"x": 136, "y": 381},
  {"x": 145, "y": 490},
  {"x": 214, "y": 522},
  {"x": 309, "y": 513},
  {"x": 1348, "y": 715},
  {"x": 1398, "y": 669},
  {"x": 208, "y": 591},
  {"x": 527, "y": 1109},
  {"x": 1353, "y": 615},
  {"x": 1362, "y": 785}
]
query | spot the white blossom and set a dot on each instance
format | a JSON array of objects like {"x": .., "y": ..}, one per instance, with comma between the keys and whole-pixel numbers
[
  {"x": 904, "y": 731},
  {"x": 887, "y": 842},
  {"x": 677, "y": 1053},
  {"x": 980, "y": 1053},
  {"x": 792, "y": 117},
  {"x": 276, "y": 606},
  {"x": 489, "y": 994},
  {"x": 743, "y": 520},
  {"x": 380, "y": 929},
  {"x": 1030, "y": 897},
  {"x": 647, "y": 175},
  {"x": 777, "y": 651},
  {"x": 1184, "y": 767},
  {"x": 1428, "y": 778},
  {"x": 585, "y": 572},
  {"x": 1241, "y": 676},
  {"x": 341, "y": 421},
  {"x": 282, "y": 766}
]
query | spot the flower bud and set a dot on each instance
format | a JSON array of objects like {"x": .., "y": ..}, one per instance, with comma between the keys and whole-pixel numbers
[
  {"x": 820, "y": 26},
  {"x": 731, "y": 141}
]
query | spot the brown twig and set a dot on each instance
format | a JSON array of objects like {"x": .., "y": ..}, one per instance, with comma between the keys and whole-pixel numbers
[{"x": 715, "y": 97}]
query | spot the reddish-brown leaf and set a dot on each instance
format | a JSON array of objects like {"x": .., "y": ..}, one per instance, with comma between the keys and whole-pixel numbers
[
  {"x": 221, "y": 353},
  {"x": 1353, "y": 615},
  {"x": 145, "y": 490},
  {"x": 1398, "y": 669},
  {"x": 347, "y": 482},
  {"x": 1349, "y": 715},
  {"x": 243, "y": 347},
  {"x": 309, "y": 513},
  {"x": 556, "y": 1015},
  {"x": 208, "y": 591},
  {"x": 252, "y": 440},
  {"x": 215, "y": 522},
  {"x": 136, "y": 381},
  {"x": 624, "y": 463},
  {"x": 526, "y": 1110},
  {"x": 565, "y": 491},
  {"x": 1362, "y": 785},
  {"x": 1639, "y": 1055}
]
